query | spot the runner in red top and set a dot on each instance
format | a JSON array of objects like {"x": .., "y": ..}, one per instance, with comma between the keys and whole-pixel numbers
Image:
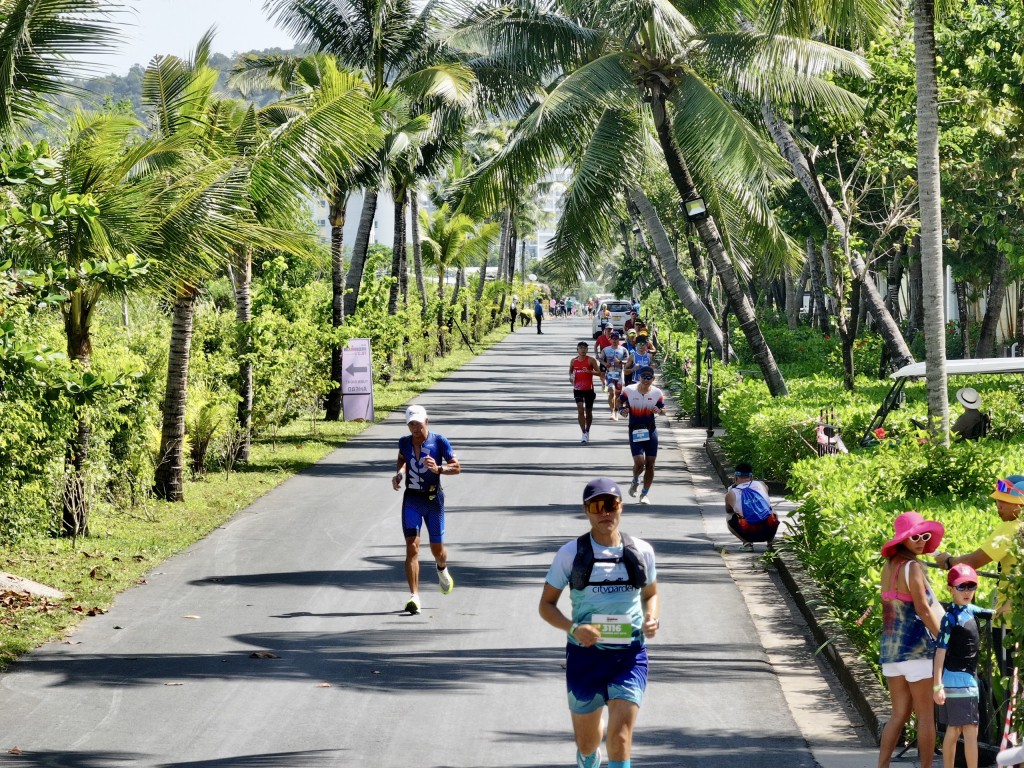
[{"x": 582, "y": 370}]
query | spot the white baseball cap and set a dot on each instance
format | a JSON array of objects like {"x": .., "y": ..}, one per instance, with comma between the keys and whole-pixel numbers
[{"x": 416, "y": 413}]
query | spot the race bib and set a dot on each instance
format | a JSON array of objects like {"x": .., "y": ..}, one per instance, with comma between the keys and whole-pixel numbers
[
  {"x": 640, "y": 435},
  {"x": 613, "y": 375},
  {"x": 615, "y": 628}
]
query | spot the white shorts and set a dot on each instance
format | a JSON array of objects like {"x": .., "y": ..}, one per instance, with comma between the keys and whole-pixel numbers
[{"x": 913, "y": 670}]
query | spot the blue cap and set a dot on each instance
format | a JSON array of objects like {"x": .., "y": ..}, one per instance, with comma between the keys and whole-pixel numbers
[
  {"x": 601, "y": 486},
  {"x": 616, "y": 335},
  {"x": 645, "y": 370}
]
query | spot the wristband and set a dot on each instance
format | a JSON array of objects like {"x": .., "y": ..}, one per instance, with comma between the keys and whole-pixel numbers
[
  {"x": 573, "y": 628},
  {"x": 937, "y": 688}
]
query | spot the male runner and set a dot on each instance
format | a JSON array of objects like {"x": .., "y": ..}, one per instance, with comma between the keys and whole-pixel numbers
[
  {"x": 420, "y": 453},
  {"x": 642, "y": 401},
  {"x": 582, "y": 370},
  {"x": 640, "y": 357},
  {"x": 614, "y": 609},
  {"x": 614, "y": 357}
]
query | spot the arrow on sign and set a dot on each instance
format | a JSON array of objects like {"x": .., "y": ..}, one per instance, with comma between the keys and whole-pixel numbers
[{"x": 352, "y": 369}]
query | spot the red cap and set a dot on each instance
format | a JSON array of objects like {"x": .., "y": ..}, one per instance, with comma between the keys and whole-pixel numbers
[{"x": 961, "y": 574}]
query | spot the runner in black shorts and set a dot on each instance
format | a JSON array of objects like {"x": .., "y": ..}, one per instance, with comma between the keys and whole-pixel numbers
[{"x": 582, "y": 370}]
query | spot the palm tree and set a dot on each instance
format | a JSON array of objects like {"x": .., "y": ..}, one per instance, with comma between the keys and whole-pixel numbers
[
  {"x": 316, "y": 134},
  {"x": 41, "y": 45},
  {"x": 222, "y": 218},
  {"x": 397, "y": 48},
  {"x": 618, "y": 68},
  {"x": 930, "y": 197},
  {"x": 452, "y": 240}
]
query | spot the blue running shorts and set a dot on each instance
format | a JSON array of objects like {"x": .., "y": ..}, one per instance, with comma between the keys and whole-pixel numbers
[
  {"x": 644, "y": 447},
  {"x": 594, "y": 676},
  {"x": 419, "y": 507}
]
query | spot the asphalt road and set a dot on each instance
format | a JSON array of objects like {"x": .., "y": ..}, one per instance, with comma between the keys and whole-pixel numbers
[{"x": 311, "y": 576}]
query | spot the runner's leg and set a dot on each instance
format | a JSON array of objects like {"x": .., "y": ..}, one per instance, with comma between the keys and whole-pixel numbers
[
  {"x": 621, "y": 719},
  {"x": 412, "y": 563},
  {"x": 581, "y": 416},
  {"x": 590, "y": 410},
  {"x": 649, "y": 471},
  {"x": 588, "y": 731},
  {"x": 440, "y": 555}
]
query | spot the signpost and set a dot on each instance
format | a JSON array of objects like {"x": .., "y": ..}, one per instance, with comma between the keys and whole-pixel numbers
[{"x": 357, "y": 380}]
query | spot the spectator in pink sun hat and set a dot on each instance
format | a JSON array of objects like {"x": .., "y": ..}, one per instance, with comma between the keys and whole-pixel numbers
[{"x": 910, "y": 618}]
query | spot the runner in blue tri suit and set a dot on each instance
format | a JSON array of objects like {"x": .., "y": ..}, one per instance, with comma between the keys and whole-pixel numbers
[
  {"x": 615, "y": 609},
  {"x": 641, "y": 357},
  {"x": 420, "y": 454},
  {"x": 614, "y": 358}
]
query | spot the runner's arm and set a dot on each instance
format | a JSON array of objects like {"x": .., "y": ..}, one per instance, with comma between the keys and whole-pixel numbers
[
  {"x": 596, "y": 368},
  {"x": 396, "y": 479},
  {"x": 651, "y": 604},
  {"x": 587, "y": 634}
]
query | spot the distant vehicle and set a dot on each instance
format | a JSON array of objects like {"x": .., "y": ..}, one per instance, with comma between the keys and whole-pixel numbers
[
  {"x": 619, "y": 309},
  {"x": 915, "y": 371}
]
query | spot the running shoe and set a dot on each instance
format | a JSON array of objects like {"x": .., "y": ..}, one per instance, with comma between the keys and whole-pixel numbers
[
  {"x": 748, "y": 547},
  {"x": 634, "y": 486},
  {"x": 412, "y": 605},
  {"x": 594, "y": 762},
  {"x": 446, "y": 580},
  {"x": 644, "y": 498},
  {"x": 583, "y": 437}
]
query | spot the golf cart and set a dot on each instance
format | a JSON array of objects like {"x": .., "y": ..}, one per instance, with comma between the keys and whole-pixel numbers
[{"x": 895, "y": 397}]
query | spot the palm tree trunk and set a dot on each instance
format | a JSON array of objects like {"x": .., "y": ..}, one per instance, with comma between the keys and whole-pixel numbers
[
  {"x": 994, "y": 307},
  {"x": 506, "y": 233},
  {"x": 930, "y": 202},
  {"x": 399, "y": 275},
  {"x": 460, "y": 275},
  {"x": 168, "y": 482},
  {"x": 522, "y": 262},
  {"x": 916, "y": 309},
  {"x": 417, "y": 251},
  {"x": 1018, "y": 320},
  {"x": 513, "y": 242},
  {"x": 805, "y": 173},
  {"x": 894, "y": 278},
  {"x": 652, "y": 257},
  {"x": 964, "y": 312},
  {"x": 339, "y": 205},
  {"x": 242, "y": 283},
  {"x": 667, "y": 256},
  {"x": 708, "y": 231},
  {"x": 817, "y": 290},
  {"x": 74, "y": 496},
  {"x": 354, "y": 277}
]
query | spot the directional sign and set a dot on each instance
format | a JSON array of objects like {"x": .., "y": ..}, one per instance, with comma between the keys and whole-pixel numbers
[{"x": 357, "y": 380}]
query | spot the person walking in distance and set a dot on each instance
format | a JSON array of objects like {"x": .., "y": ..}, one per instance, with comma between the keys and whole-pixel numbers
[
  {"x": 642, "y": 401},
  {"x": 424, "y": 456},
  {"x": 582, "y": 370},
  {"x": 538, "y": 313},
  {"x": 513, "y": 311},
  {"x": 615, "y": 609}
]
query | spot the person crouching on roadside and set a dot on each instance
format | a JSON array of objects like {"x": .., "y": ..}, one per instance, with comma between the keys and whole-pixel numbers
[{"x": 910, "y": 618}]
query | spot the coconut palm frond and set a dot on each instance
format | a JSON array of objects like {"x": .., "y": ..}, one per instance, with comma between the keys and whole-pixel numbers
[
  {"x": 717, "y": 141},
  {"x": 44, "y": 45},
  {"x": 844, "y": 22},
  {"x": 447, "y": 83},
  {"x": 590, "y": 213}
]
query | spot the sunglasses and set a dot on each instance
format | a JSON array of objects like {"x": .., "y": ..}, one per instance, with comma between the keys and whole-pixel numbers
[
  {"x": 965, "y": 587},
  {"x": 1005, "y": 486},
  {"x": 920, "y": 537},
  {"x": 647, "y": 378},
  {"x": 602, "y": 504}
]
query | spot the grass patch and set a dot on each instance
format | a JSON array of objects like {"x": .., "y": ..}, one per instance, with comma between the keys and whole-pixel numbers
[{"x": 125, "y": 545}]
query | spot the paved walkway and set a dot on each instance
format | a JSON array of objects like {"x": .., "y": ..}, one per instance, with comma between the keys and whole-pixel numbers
[{"x": 278, "y": 640}]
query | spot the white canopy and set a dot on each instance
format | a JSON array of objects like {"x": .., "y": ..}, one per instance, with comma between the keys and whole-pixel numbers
[{"x": 967, "y": 367}]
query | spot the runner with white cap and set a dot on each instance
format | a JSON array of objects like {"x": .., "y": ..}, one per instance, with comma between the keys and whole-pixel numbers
[{"x": 420, "y": 455}]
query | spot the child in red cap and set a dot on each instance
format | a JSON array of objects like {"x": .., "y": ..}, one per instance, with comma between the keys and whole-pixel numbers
[{"x": 955, "y": 667}]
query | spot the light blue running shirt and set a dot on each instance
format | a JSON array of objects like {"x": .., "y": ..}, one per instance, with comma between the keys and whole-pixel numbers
[{"x": 595, "y": 598}]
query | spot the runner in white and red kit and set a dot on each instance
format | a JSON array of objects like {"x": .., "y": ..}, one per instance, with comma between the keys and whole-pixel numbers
[{"x": 642, "y": 401}]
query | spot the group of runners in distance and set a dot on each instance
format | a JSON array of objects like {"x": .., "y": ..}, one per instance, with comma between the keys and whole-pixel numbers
[{"x": 612, "y": 577}]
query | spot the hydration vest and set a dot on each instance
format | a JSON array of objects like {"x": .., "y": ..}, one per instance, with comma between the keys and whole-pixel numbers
[{"x": 583, "y": 564}]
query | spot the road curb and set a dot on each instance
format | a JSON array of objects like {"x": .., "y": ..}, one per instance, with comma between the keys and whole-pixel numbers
[{"x": 857, "y": 678}]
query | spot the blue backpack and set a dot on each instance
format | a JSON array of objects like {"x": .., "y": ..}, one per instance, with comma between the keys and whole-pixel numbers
[{"x": 756, "y": 508}]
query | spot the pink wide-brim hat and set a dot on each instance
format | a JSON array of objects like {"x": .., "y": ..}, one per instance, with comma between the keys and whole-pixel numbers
[{"x": 910, "y": 524}]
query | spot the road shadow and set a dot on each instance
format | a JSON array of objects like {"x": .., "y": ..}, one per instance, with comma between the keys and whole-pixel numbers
[{"x": 73, "y": 759}]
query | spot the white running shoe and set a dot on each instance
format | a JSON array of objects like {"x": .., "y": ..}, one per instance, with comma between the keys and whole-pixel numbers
[
  {"x": 412, "y": 605},
  {"x": 581, "y": 762},
  {"x": 586, "y": 437},
  {"x": 446, "y": 581},
  {"x": 644, "y": 498},
  {"x": 634, "y": 486}
]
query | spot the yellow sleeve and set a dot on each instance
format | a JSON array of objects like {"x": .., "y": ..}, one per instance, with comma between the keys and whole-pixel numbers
[{"x": 998, "y": 544}]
